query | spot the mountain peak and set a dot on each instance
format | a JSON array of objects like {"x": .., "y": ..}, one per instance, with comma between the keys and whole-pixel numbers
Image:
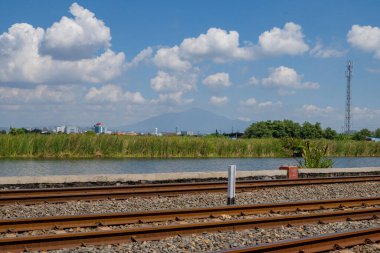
[{"x": 194, "y": 119}]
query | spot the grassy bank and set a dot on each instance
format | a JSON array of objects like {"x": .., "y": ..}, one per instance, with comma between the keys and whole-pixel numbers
[{"x": 111, "y": 146}]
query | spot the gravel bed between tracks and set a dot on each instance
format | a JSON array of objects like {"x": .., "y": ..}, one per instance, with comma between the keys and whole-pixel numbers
[
  {"x": 368, "y": 248},
  {"x": 263, "y": 195},
  {"x": 210, "y": 242}
]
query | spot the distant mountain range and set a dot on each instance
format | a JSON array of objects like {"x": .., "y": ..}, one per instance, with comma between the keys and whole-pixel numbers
[{"x": 195, "y": 120}]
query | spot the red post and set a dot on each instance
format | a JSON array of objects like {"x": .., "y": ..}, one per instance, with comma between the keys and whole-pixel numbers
[{"x": 292, "y": 171}]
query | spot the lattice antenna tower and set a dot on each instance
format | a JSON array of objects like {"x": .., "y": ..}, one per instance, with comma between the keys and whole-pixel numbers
[{"x": 347, "y": 119}]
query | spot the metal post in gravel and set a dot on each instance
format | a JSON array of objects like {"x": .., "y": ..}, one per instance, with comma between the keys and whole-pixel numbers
[{"x": 231, "y": 185}]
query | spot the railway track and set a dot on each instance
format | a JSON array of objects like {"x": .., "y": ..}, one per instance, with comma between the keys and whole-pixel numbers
[
  {"x": 316, "y": 244},
  {"x": 93, "y": 220},
  {"x": 155, "y": 233},
  {"x": 31, "y": 196}
]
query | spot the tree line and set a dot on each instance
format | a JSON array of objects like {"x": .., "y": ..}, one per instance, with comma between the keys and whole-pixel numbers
[{"x": 290, "y": 129}]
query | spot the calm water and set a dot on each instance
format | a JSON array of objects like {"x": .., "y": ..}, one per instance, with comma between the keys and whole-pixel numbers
[{"x": 118, "y": 166}]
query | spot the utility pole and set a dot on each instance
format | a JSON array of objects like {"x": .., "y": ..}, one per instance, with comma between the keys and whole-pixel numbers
[{"x": 347, "y": 119}]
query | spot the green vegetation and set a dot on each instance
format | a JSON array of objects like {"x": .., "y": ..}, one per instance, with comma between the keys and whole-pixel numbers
[
  {"x": 262, "y": 139},
  {"x": 113, "y": 146},
  {"x": 84, "y": 145},
  {"x": 315, "y": 156},
  {"x": 361, "y": 135},
  {"x": 377, "y": 133},
  {"x": 288, "y": 129}
]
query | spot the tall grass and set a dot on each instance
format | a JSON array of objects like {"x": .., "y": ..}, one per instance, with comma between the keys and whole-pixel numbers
[
  {"x": 112, "y": 146},
  {"x": 314, "y": 156}
]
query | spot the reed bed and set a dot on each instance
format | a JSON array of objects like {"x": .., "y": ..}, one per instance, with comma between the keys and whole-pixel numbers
[{"x": 112, "y": 146}]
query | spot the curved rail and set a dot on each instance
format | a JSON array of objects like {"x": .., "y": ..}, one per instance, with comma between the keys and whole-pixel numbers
[
  {"x": 93, "y": 220},
  {"x": 154, "y": 233},
  {"x": 30, "y": 196}
]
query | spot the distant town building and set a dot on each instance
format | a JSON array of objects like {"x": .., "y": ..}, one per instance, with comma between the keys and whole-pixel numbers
[
  {"x": 63, "y": 129},
  {"x": 156, "y": 132},
  {"x": 60, "y": 129},
  {"x": 71, "y": 130},
  {"x": 187, "y": 133},
  {"x": 99, "y": 128},
  {"x": 44, "y": 130}
]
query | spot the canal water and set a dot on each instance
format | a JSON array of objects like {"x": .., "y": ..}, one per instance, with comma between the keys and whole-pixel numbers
[{"x": 120, "y": 166}]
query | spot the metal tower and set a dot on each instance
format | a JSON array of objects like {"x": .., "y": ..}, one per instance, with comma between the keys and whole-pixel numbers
[{"x": 347, "y": 119}]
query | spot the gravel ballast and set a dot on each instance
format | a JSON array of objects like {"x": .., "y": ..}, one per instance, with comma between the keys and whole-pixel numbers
[
  {"x": 209, "y": 242},
  {"x": 263, "y": 195}
]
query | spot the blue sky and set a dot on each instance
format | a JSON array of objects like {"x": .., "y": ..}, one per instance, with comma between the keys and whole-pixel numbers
[{"x": 120, "y": 62}]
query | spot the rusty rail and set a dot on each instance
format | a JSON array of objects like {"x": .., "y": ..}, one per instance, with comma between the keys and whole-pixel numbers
[
  {"x": 31, "y": 196},
  {"x": 316, "y": 244},
  {"x": 155, "y": 233},
  {"x": 27, "y": 224}
]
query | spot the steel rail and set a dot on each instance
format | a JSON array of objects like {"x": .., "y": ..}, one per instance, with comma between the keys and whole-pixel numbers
[
  {"x": 155, "y": 233},
  {"x": 93, "y": 220},
  {"x": 316, "y": 244},
  {"x": 30, "y": 196}
]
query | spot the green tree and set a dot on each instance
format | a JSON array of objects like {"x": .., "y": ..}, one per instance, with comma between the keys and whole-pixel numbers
[
  {"x": 329, "y": 133},
  {"x": 292, "y": 129},
  {"x": 16, "y": 131},
  {"x": 277, "y": 129},
  {"x": 12, "y": 131},
  {"x": 377, "y": 133},
  {"x": 310, "y": 131},
  {"x": 362, "y": 135},
  {"x": 21, "y": 131},
  {"x": 261, "y": 129}
]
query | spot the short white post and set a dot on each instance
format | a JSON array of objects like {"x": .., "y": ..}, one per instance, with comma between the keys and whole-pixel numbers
[{"x": 231, "y": 184}]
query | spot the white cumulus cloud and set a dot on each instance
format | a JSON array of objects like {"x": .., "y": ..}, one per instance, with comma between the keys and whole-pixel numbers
[
  {"x": 289, "y": 40},
  {"x": 313, "y": 110},
  {"x": 217, "y": 80},
  {"x": 214, "y": 100},
  {"x": 39, "y": 94},
  {"x": 252, "y": 102},
  {"x": 221, "y": 46},
  {"x": 366, "y": 38},
  {"x": 321, "y": 51},
  {"x": 144, "y": 55},
  {"x": 249, "y": 102},
  {"x": 284, "y": 77},
  {"x": 165, "y": 82},
  {"x": 169, "y": 58},
  {"x": 253, "y": 81},
  {"x": 217, "y": 44},
  {"x": 21, "y": 59},
  {"x": 267, "y": 104},
  {"x": 112, "y": 93},
  {"x": 174, "y": 98},
  {"x": 76, "y": 38},
  {"x": 365, "y": 113}
]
